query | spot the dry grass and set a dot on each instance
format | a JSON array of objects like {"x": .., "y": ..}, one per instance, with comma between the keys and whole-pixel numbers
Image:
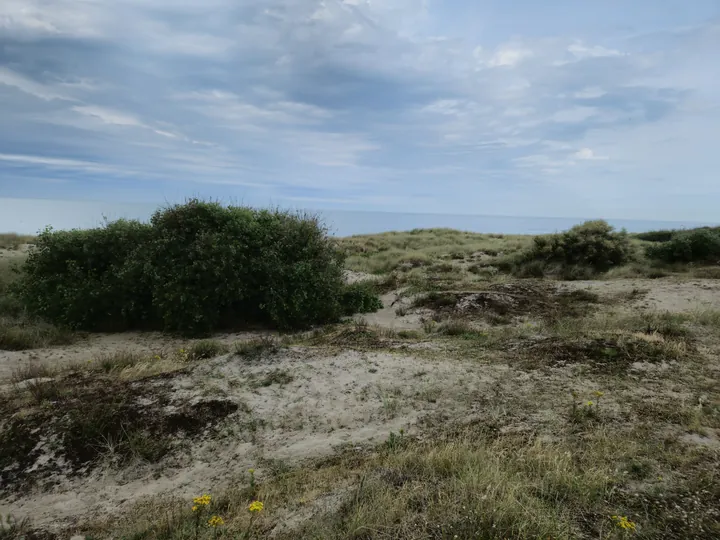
[
  {"x": 23, "y": 334},
  {"x": 382, "y": 253},
  {"x": 14, "y": 241},
  {"x": 466, "y": 484}
]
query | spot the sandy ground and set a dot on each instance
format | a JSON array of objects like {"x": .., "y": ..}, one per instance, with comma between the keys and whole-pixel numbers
[
  {"x": 329, "y": 399},
  {"x": 660, "y": 295},
  {"x": 334, "y": 399}
]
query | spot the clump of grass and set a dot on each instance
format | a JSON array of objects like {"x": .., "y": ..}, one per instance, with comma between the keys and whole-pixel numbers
[
  {"x": 23, "y": 334},
  {"x": 206, "y": 349},
  {"x": 255, "y": 349},
  {"x": 278, "y": 376},
  {"x": 30, "y": 371},
  {"x": 454, "y": 327},
  {"x": 117, "y": 361},
  {"x": 12, "y": 529}
]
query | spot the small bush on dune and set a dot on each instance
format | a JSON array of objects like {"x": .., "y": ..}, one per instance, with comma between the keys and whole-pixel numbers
[
  {"x": 578, "y": 253},
  {"x": 194, "y": 268},
  {"x": 697, "y": 245},
  {"x": 360, "y": 297}
]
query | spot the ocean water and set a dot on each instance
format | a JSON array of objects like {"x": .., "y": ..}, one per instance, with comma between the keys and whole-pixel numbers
[{"x": 28, "y": 216}]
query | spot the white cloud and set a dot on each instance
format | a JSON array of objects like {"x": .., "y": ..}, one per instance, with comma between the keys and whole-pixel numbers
[
  {"x": 509, "y": 55},
  {"x": 108, "y": 116},
  {"x": 28, "y": 86},
  {"x": 588, "y": 155},
  {"x": 581, "y": 50}
]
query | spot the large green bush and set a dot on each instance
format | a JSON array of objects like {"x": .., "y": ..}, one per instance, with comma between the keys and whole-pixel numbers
[
  {"x": 591, "y": 247},
  {"x": 194, "y": 268},
  {"x": 78, "y": 278},
  {"x": 696, "y": 245}
]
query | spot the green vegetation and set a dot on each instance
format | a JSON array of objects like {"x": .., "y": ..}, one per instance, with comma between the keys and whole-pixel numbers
[
  {"x": 697, "y": 245},
  {"x": 382, "y": 253},
  {"x": 194, "y": 268},
  {"x": 361, "y": 297},
  {"x": 206, "y": 348},
  {"x": 584, "y": 250}
]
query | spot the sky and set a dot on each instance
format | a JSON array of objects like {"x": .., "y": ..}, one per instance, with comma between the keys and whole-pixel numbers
[{"x": 559, "y": 108}]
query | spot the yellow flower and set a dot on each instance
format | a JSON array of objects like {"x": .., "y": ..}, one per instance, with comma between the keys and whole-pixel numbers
[
  {"x": 598, "y": 393},
  {"x": 216, "y": 521},
  {"x": 624, "y": 523},
  {"x": 195, "y": 508},
  {"x": 251, "y": 471},
  {"x": 256, "y": 506},
  {"x": 204, "y": 500},
  {"x": 589, "y": 403}
]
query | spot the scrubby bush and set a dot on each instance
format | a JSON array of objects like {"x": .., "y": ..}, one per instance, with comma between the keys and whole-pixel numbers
[
  {"x": 361, "y": 297},
  {"x": 78, "y": 278},
  {"x": 194, "y": 268},
  {"x": 591, "y": 247},
  {"x": 696, "y": 245}
]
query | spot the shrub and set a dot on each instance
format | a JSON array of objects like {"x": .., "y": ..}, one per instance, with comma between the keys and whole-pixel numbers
[
  {"x": 194, "y": 268},
  {"x": 591, "y": 247},
  {"x": 360, "y": 297},
  {"x": 656, "y": 236},
  {"x": 78, "y": 278},
  {"x": 697, "y": 245}
]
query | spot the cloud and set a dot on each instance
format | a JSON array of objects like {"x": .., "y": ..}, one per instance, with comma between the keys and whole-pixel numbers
[
  {"x": 353, "y": 100},
  {"x": 588, "y": 154},
  {"x": 509, "y": 56},
  {"x": 28, "y": 86}
]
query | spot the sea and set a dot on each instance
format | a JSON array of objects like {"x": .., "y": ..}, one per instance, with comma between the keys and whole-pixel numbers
[{"x": 28, "y": 216}]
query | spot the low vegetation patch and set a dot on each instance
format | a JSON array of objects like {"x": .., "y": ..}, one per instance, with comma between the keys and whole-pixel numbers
[
  {"x": 468, "y": 484},
  {"x": 23, "y": 334},
  {"x": 502, "y": 301},
  {"x": 608, "y": 354},
  {"x": 72, "y": 421}
]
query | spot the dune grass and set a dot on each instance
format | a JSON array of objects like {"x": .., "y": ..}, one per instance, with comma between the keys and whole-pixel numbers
[
  {"x": 381, "y": 253},
  {"x": 13, "y": 241}
]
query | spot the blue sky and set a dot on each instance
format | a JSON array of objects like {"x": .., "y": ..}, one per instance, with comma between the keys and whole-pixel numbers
[{"x": 564, "y": 108}]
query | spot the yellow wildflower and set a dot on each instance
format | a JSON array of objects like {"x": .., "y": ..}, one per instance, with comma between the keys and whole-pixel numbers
[
  {"x": 624, "y": 523},
  {"x": 195, "y": 508},
  {"x": 204, "y": 500},
  {"x": 256, "y": 506},
  {"x": 590, "y": 403},
  {"x": 598, "y": 393},
  {"x": 216, "y": 521},
  {"x": 251, "y": 471}
]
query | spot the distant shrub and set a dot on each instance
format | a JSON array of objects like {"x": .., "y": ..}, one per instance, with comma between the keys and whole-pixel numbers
[
  {"x": 195, "y": 267},
  {"x": 360, "y": 297},
  {"x": 656, "y": 236},
  {"x": 206, "y": 349},
  {"x": 577, "y": 253},
  {"x": 696, "y": 245}
]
